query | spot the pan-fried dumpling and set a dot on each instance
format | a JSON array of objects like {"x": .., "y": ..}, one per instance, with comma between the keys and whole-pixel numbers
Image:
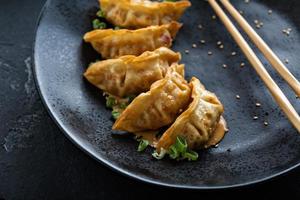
[
  {"x": 115, "y": 43},
  {"x": 198, "y": 122},
  {"x": 158, "y": 107},
  {"x": 131, "y": 75},
  {"x": 142, "y": 13}
]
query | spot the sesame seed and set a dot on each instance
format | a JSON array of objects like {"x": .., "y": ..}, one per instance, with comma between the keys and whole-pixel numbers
[
  {"x": 266, "y": 123},
  {"x": 202, "y": 41},
  {"x": 247, "y": 1},
  {"x": 270, "y": 12},
  {"x": 224, "y": 66},
  {"x": 233, "y": 53},
  {"x": 194, "y": 45},
  {"x": 242, "y": 64},
  {"x": 258, "y": 105},
  {"x": 187, "y": 51},
  {"x": 216, "y": 146},
  {"x": 258, "y": 24},
  {"x": 241, "y": 12},
  {"x": 219, "y": 43},
  {"x": 214, "y": 17},
  {"x": 255, "y": 118},
  {"x": 237, "y": 97},
  {"x": 286, "y": 61},
  {"x": 221, "y": 46},
  {"x": 209, "y": 53},
  {"x": 297, "y": 97},
  {"x": 287, "y": 31},
  {"x": 200, "y": 26}
]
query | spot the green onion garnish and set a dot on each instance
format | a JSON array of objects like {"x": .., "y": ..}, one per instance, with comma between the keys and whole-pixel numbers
[
  {"x": 123, "y": 105},
  {"x": 100, "y": 14},
  {"x": 181, "y": 145},
  {"x": 191, "y": 155},
  {"x": 115, "y": 114},
  {"x": 179, "y": 151},
  {"x": 173, "y": 153},
  {"x": 143, "y": 145},
  {"x": 97, "y": 24},
  {"x": 160, "y": 155},
  {"x": 110, "y": 102}
]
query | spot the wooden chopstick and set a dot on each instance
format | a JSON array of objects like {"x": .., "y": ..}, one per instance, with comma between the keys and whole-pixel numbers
[
  {"x": 263, "y": 47},
  {"x": 276, "y": 92}
]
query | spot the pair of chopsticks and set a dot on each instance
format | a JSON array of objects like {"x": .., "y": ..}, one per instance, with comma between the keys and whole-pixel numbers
[{"x": 276, "y": 92}]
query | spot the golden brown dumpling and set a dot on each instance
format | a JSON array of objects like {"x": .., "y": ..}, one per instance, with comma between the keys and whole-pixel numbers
[
  {"x": 158, "y": 107},
  {"x": 115, "y": 43},
  {"x": 142, "y": 13},
  {"x": 198, "y": 122},
  {"x": 131, "y": 75}
]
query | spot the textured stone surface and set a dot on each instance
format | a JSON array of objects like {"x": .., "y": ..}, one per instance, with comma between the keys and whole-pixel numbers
[{"x": 38, "y": 162}]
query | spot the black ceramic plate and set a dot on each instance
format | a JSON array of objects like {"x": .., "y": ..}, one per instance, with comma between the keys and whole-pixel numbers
[{"x": 251, "y": 152}]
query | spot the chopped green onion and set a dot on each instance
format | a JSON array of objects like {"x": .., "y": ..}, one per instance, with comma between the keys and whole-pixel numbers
[
  {"x": 181, "y": 145},
  {"x": 179, "y": 151},
  {"x": 102, "y": 25},
  {"x": 110, "y": 102},
  {"x": 143, "y": 145},
  {"x": 100, "y": 14},
  {"x": 173, "y": 153},
  {"x": 117, "y": 28},
  {"x": 123, "y": 105},
  {"x": 170, "y": 0},
  {"x": 191, "y": 155},
  {"x": 160, "y": 155},
  {"x": 115, "y": 114},
  {"x": 97, "y": 24}
]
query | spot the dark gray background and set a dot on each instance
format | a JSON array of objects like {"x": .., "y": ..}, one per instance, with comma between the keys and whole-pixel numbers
[{"x": 37, "y": 161}]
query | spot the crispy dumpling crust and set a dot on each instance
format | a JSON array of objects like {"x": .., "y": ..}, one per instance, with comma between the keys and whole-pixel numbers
[
  {"x": 142, "y": 13},
  {"x": 158, "y": 107},
  {"x": 131, "y": 75},
  {"x": 115, "y": 43},
  {"x": 198, "y": 122}
]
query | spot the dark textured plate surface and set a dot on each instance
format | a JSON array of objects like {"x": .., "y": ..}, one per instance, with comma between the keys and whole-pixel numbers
[{"x": 250, "y": 153}]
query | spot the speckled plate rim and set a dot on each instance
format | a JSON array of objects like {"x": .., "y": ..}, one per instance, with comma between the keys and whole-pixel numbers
[{"x": 106, "y": 162}]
